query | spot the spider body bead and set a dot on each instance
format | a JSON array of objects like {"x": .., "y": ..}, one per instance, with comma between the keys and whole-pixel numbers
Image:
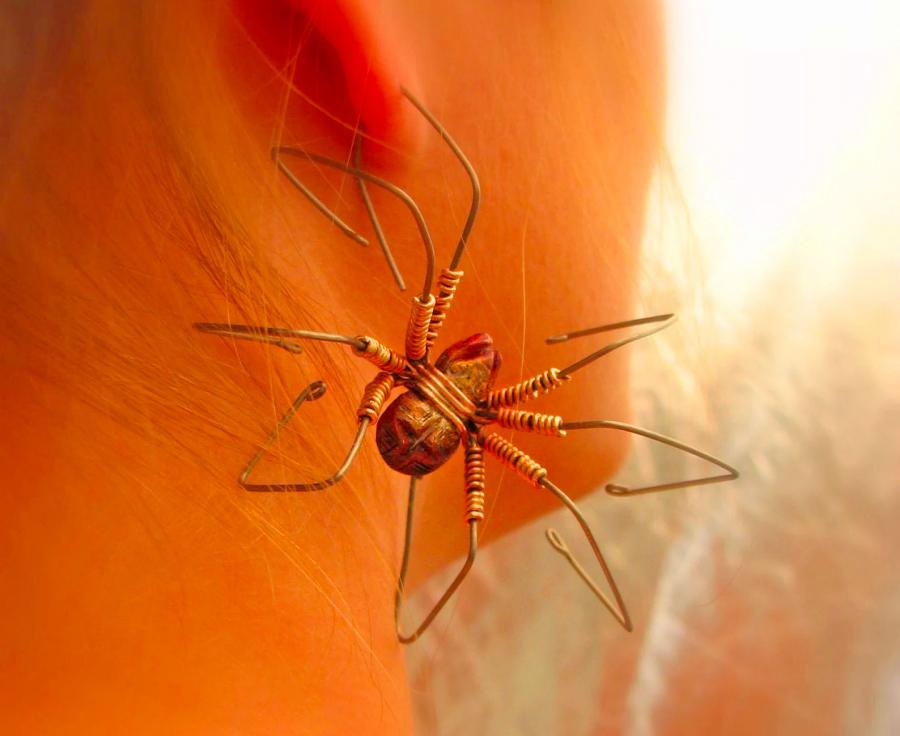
[{"x": 418, "y": 432}]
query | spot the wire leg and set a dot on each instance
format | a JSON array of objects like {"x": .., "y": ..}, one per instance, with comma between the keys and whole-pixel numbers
[
  {"x": 470, "y": 171},
  {"x": 404, "y": 567},
  {"x": 336, "y": 477},
  {"x": 312, "y": 392},
  {"x": 361, "y": 175},
  {"x": 318, "y": 203},
  {"x": 553, "y": 378},
  {"x": 619, "y": 490},
  {"x": 510, "y": 455},
  {"x": 373, "y": 218},
  {"x": 665, "y": 319},
  {"x": 616, "y": 605},
  {"x": 274, "y": 335}
]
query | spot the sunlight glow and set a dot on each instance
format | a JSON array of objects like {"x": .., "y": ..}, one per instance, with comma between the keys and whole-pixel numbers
[{"x": 782, "y": 115}]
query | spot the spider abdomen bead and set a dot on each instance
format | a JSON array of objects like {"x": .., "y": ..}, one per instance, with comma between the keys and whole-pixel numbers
[{"x": 413, "y": 437}]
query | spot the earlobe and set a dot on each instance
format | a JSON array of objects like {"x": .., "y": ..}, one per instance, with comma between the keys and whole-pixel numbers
[{"x": 347, "y": 56}]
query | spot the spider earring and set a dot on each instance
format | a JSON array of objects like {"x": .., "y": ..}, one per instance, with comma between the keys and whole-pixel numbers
[{"x": 450, "y": 401}]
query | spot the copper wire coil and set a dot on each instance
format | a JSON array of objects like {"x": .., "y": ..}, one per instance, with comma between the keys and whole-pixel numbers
[
  {"x": 516, "y": 459},
  {"x": 431, "y": 392},
  {"x": 381, "y": 355},
  {"x": 525, "y": 390},
  {"x": 474, "y": 506},
  {"x": 377, "y": 390},
  {"x": 437, "y": 385},
  {"x": 474, "y": 483},
  {"x": 417, "y": 330},
  {"x": 433, "y": 385},
  {"x": 447, "y": 283},
  {"x": 474, "y": 469},
  {"x": 531, "y": 421}
]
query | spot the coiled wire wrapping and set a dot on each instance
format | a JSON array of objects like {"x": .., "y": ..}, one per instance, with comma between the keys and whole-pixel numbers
[
  {"x": 530, "y": 421},
  {"x": 444, "y": 394},
  {"x": 417, "y": 330},
  {"x": 474, "y": 482},
  {"x": 516, "y": 459},
  {"x": 381, "y": 355},
  {"x": 376, "y": 391},
  {"x": 527, "y": 389},
  {"x": 447, "y": 283}
]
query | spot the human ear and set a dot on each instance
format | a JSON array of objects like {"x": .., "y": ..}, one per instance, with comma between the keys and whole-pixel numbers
[{"x": 348, "y": 58}]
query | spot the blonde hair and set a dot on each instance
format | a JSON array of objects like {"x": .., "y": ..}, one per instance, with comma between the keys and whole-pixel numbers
[{"x": 136, "y": 200}]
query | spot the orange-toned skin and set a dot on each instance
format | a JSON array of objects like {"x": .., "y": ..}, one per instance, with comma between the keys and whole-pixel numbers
[{"x": 143, "y": 591}]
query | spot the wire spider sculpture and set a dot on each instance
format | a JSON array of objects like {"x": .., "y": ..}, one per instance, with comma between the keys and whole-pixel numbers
[{"x": 450, "y": 401}]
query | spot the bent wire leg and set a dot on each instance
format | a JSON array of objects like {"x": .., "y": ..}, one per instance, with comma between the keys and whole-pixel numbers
[
  {"x": 510, "y": 455},
  {"x": 404, "y": 567},
  {"x": 373, "y": 218},
  {"x": 619, "y": 490},
  {"x": 359, "y": 174},
  {"x": 665, "y": 319},
  {"x": 274, "y": 335},
  {"x": 312, "y": 392},
  {"x": 318, "y": 203},
  {"x": 616, "y": 606},
  {"x": 450, "y": 277},
  {"x": 470, "y": 171},
  {"x": 553, "y": 378},
  {"x": 461, "y": 157}
]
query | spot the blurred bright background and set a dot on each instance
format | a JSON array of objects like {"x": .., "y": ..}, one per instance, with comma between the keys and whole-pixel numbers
[{"x": 771, "y": 606}]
